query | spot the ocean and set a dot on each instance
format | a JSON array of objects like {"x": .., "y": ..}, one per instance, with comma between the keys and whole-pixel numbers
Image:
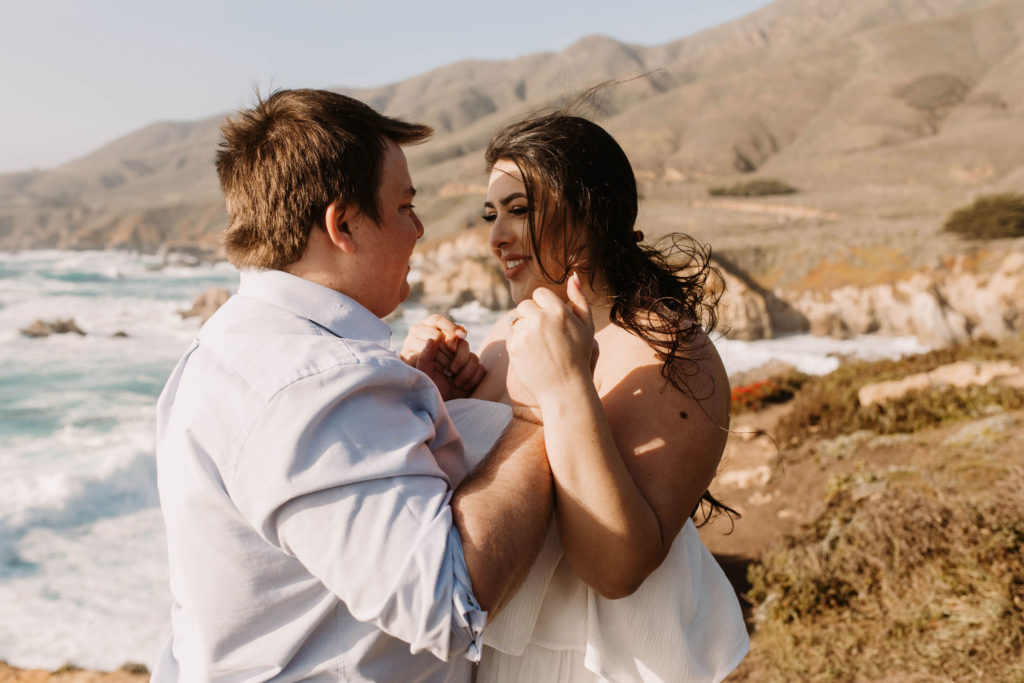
[{"x": 83, "y": 576}]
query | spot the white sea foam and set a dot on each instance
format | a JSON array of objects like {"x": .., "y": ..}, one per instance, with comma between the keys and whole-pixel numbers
[
  {"x": 95, "y": 595},
  {"x": 62, "y": 499},
  {"x": 810, "y": 354},
  {"x": 82, "y": 557}
]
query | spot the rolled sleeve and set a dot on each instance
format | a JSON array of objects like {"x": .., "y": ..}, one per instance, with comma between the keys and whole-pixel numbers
[
  {"x": 344, "y": 472},
  {"x": 468, "y": 619}
]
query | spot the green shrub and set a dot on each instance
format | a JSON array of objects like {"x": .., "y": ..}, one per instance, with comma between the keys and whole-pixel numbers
[
  {"x": 761, "y": 187},
  {"x": 989, "y": 217}
]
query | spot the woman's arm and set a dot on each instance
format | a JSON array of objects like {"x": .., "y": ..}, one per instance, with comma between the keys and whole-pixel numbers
[
  {"x": 498, "y": 384},
  {"x": 625, "y": 483}
]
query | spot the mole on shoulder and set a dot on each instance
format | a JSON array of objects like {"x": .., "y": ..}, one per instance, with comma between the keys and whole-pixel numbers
[{"x": 683, "y": 414}]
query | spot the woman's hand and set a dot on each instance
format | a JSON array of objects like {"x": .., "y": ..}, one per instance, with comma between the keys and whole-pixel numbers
[
  {"x": 551, "y": 346},
  {"x": 438, "y": 348}
]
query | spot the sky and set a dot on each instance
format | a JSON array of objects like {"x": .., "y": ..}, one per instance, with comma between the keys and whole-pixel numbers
[{"x": 75, "y": 74}]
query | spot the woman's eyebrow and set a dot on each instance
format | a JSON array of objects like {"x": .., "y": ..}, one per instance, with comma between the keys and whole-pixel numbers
[{"x": 506, "y": 200}]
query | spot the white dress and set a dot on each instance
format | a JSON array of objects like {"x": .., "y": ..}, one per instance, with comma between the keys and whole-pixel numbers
[{"x": 683, "y": 624}]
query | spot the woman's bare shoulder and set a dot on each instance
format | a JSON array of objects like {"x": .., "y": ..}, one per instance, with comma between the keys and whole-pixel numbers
[
  {"x": 626, "y": 357},
  {"x": 670, "y": 438},
  {"x": 632, "y": 379}
]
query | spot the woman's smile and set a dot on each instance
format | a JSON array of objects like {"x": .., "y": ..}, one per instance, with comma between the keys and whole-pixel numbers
[{"x": 514, "y": 265}]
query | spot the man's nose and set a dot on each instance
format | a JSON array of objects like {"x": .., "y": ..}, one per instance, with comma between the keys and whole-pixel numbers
[{"x": 419, "y": 225}]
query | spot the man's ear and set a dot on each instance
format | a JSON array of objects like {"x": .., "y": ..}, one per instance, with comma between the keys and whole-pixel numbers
[{"x": 336, "y": 219}]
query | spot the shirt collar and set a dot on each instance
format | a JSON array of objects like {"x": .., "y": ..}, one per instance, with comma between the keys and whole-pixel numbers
[{"x": 342, "y": 315}]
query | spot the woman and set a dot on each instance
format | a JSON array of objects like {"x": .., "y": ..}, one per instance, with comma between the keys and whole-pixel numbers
[{"x": 623, "y": 588}]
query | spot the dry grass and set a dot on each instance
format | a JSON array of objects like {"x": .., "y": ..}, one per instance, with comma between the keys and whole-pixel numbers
[
  {"x": 853, "y": 269},
  {"x": 758, "y": 395},
  {"x": 827, "y": 406},
  {"x": 912, "y": 566},
  {"x": 69, "y": 673},
  {"x": 905, "y": 575}
]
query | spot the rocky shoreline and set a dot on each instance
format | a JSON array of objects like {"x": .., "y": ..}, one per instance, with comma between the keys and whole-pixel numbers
[
  {"x": 964, "y": 296},
  {"x": 953, "y": 302},
  {"x": 976, "y": 292}
]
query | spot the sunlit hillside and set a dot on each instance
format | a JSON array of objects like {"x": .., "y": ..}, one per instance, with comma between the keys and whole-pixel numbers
[{"x": 883, "y": 113}]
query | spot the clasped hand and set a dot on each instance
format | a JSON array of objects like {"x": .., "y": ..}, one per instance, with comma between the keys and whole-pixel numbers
[
  {"x": 551, "y": 346},
  {"x": 438, "y": 348}
]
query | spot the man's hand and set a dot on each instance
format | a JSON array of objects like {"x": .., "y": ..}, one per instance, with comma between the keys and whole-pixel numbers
[{"x": 438, "y": 348}]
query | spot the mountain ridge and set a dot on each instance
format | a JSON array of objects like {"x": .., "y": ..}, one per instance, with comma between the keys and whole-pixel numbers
[{"x": 919, "y": 97}]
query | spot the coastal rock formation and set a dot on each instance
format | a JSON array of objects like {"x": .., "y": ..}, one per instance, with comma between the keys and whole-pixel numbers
[
  {"x": 959, "y": 374},
  {"x": 748, "y": 311},
  {"x": 743, "y": 311},
  {"x": 462, "y": 269},
  {"x": 966, "y": 296},
  {"x": 458, "y": 271},
  {"x": 206, "y": 304},
  {"x": 947, "y": 304},
  {"x": 42, "y": 328}
]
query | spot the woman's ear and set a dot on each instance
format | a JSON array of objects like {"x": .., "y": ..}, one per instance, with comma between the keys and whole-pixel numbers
[{"x": 336, "y": 218}]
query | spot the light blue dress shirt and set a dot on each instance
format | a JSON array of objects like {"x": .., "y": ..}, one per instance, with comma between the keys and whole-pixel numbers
[{"x": 305, "y": 474}]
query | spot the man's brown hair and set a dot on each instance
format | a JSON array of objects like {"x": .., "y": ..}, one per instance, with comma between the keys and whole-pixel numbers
[{"x": 284, "y": 161}]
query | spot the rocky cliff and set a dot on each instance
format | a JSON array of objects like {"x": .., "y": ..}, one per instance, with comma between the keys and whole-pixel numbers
[{"x": 964, "y": 296}]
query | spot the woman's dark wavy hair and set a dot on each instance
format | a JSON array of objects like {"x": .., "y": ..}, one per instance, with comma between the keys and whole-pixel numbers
[{"x": 576, "y": 174}]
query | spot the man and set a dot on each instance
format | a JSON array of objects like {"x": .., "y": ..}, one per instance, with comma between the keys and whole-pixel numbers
[{"x": 306, "y": 473}]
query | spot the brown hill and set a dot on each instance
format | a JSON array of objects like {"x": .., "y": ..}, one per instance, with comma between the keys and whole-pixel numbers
[{"x": 885, "y": 113}]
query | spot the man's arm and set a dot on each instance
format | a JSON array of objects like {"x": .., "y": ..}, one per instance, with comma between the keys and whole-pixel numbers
[
  {"x": 343, "y": 471},
  {"x": 502, "y": 511}
]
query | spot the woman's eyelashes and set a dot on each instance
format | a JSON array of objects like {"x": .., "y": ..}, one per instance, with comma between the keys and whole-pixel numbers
[{"x": 517, "y": 211}]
